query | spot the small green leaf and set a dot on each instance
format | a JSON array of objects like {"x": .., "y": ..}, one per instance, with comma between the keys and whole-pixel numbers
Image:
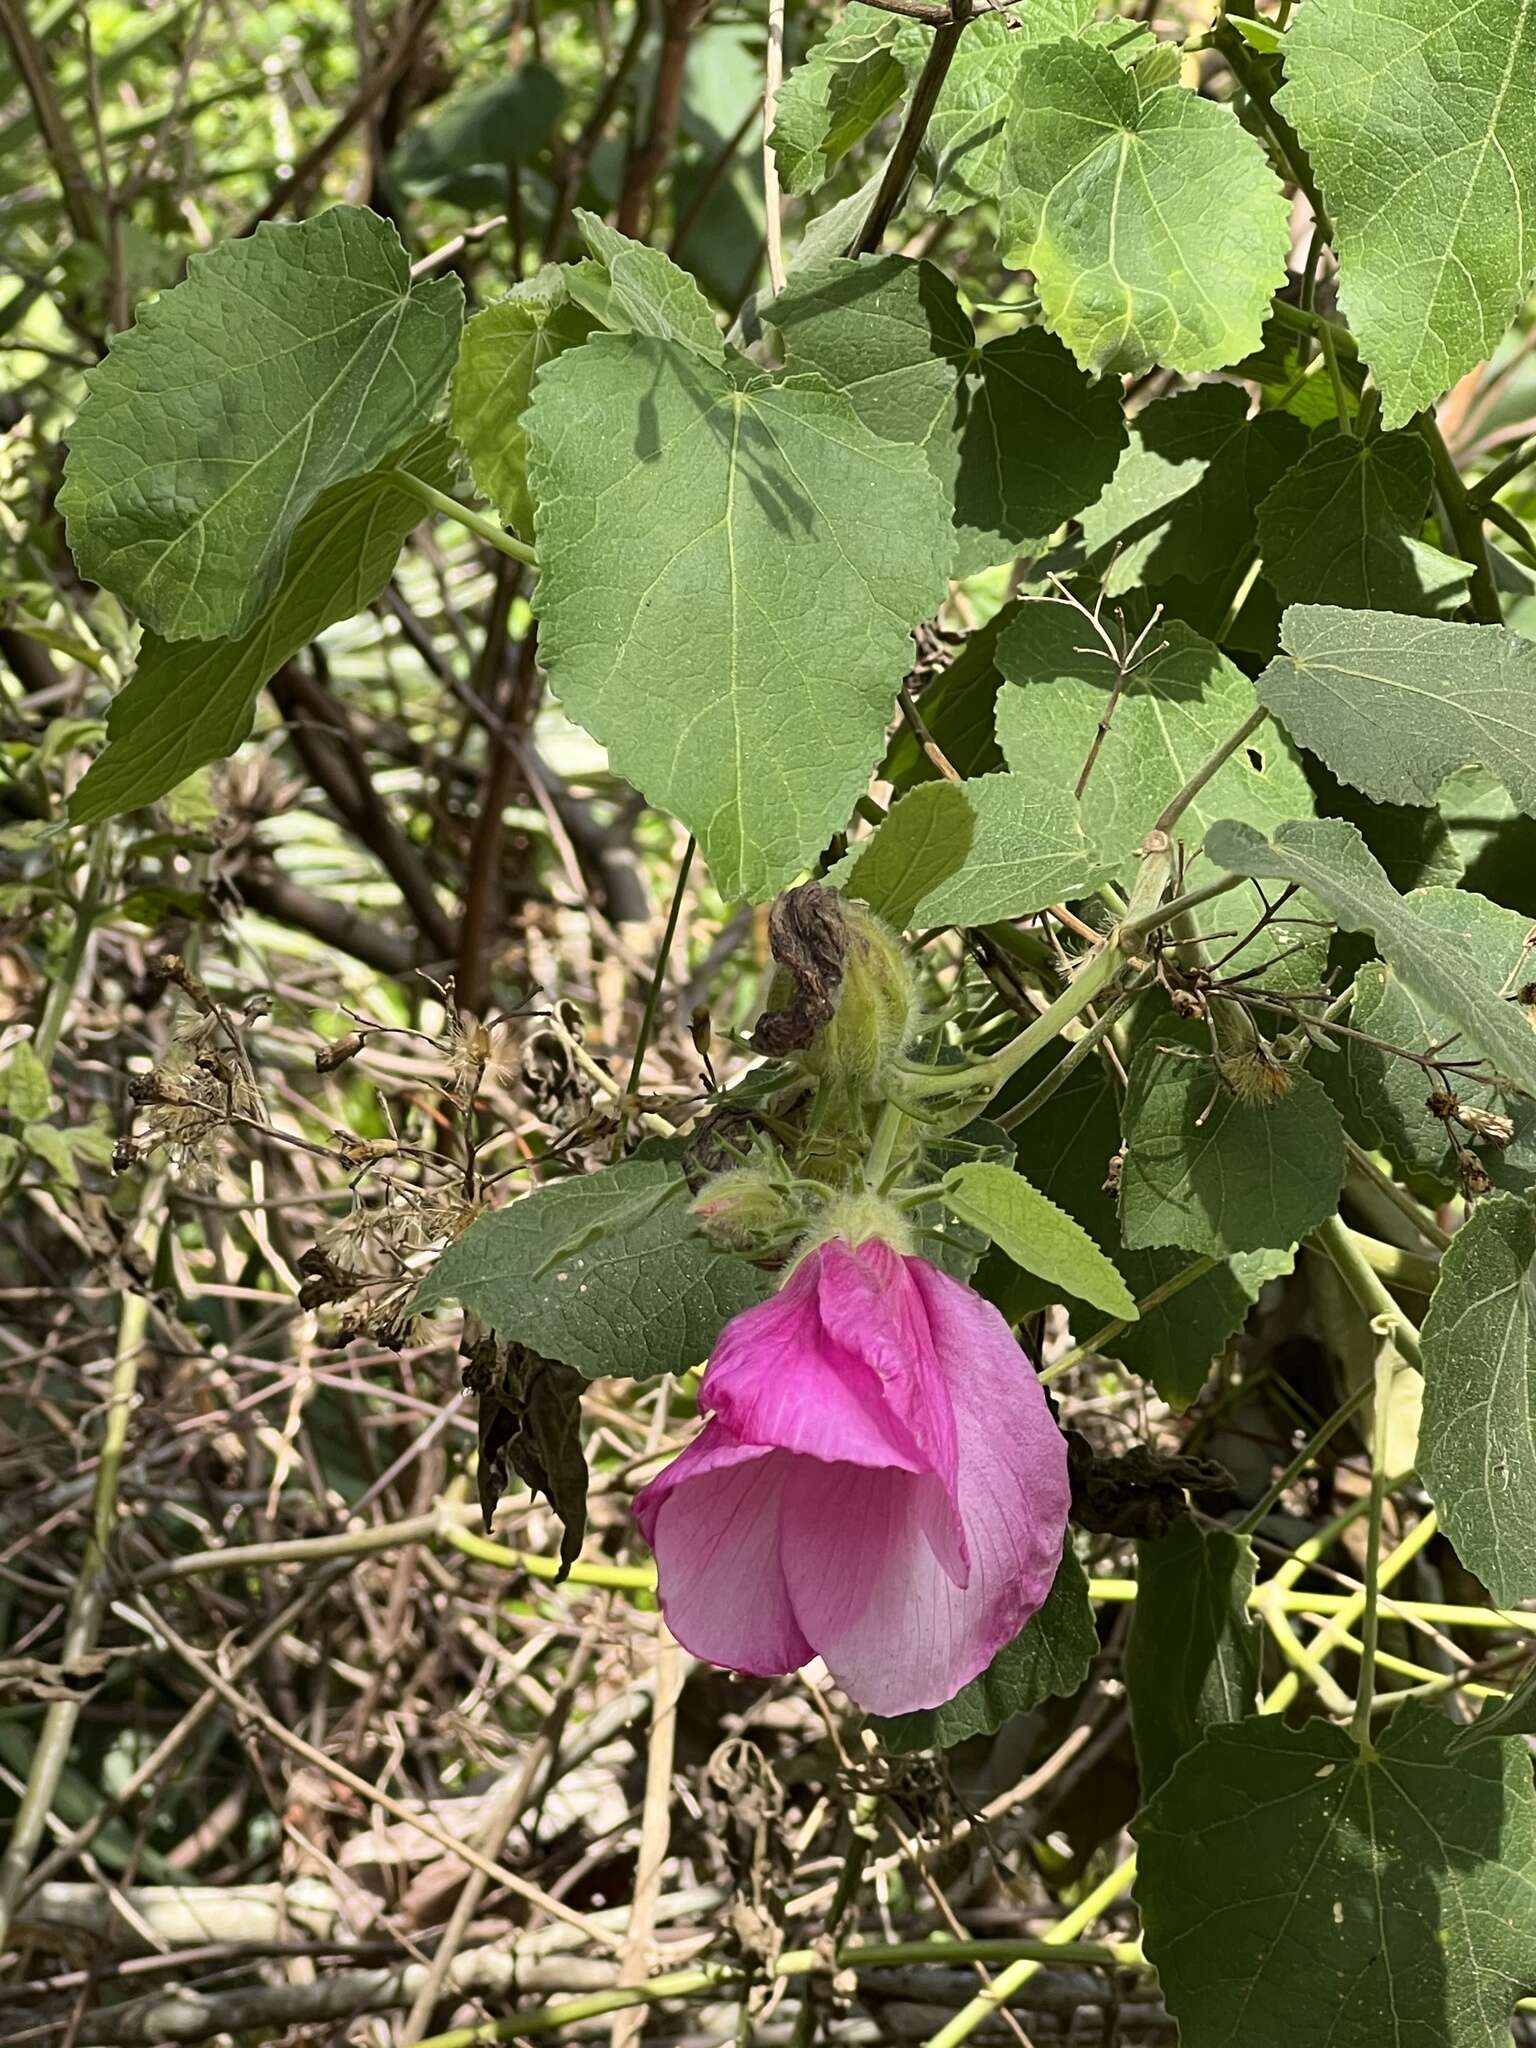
[
  {"x": 683, "y": 513},
  {"x": 1153, "y": 223},
  {"x": 645, "y": 292},
  {"x": 28, "y": 1094},
  {"x": 191, "y": 702},
  {"x": 827, "y": 104},
  {"x": 604, "y": 1272},
  {"x": 1513, "y": 1716},
  {"x": 1192, "y": 1661},
  {"x": 1421, "y": 125},
  {"x": 923, "y": 842},
  {"x": 1394, "y": 705},
  {"x": 1330, "y": 858},
  {"x": 1296, "y": 1889},
  {"x": 1174, "y": 711},
  {"x": 1029, "y": 849},
  {"x": 49, "y": 1144},
  {"x": 1050, "y": 1658},
  {"x": 287, "y": 363},
  {"x": 1216, "y": 1175},
  {"x": 1477, "y": 1438},
  {"x": 503, "y": 350},
  {"x": 1028, "y": 1228},
  {"x": 1336, "y": 528}
]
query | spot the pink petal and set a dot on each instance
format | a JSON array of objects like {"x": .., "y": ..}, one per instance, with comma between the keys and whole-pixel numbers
[
  {"x": 868, "y": 1587},
  {"x": 871, "y": 1307},
  {"x": 776, "y": 1377},
  {"x": 713, "y": 1519}
]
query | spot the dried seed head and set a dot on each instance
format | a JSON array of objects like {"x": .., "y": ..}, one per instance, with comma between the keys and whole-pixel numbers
[
  {"x": 339, "y": 1051},
  {"x": 1475, "y": 1177},
  {"x": 1485, "y": 1124}
]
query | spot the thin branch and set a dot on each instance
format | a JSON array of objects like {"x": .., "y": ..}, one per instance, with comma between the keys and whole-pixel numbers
[{"x": 925, "y": 97}]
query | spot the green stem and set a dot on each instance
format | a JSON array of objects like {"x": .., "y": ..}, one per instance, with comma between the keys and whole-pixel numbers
[
  {"x": 1312, "y": 324},
  {"x": 1502, "y": 473},
  {"x": 1017, "y": 1975},
  {"x": 1111, "y": 1330},
  {"x": 61, "y": 992},
  {"x": 477, "y": 523},
  {"x": 553, "y": 2019},
  {"x": 653, "y": 994},
  {"x": 1337, "y": 1243},
  {"x": 1073, "y": 1058},
  {"x": 1466, "y": 523},
  {"x": 1323, "y": 1434},
  {"x": 1411, "y": 1211}
]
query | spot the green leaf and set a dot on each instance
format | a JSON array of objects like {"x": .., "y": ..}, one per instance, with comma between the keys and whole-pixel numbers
[
  {"x": 1028, "y": 849},
  {"x": 28, "y": 1094},
  {"x": 1297, "y": 1890},
  {"x": 1038, "y": 442},
  {"x": 1477, "y": 1438},
  {"x": 1216, "y": 1175},
  {"x": 1421, "y": 126},
  {"x": 826, "y": 105},
  {"x": 1391, "y": 1093},
  {"x": 682, "y": 518},
  {"x": 1153, "y": 223},
  {"x": 1183, "y": 498},
  {"x": 1065, "y": 1149},
  {"x": 966, "y": 135},
  {"x": 287, "y": 362},
  {"x": 645, "y": 292},
  {"x": 1394, "y": 705},
  {"x": 49, "y": 1144},
  {"x": 888, "y": 333},
  {"x": 604, "y": 1272},
  {"x": 1336, "y": 528},
  {"x": 1028, "y": 1228},
  {"x": 1175, "y": 710},
  {"x": 1330, "y": 858},
  {"x": 1018, "y": 436},
  {"x": 1049, "y": 1659},
  {"x": 1192, "y": 1661},
  {"x": 191, "y": 702},
  {"x": 922, "y": 843},
  {"x": 504, "y": 348},
  {"x": 1513, "y": 1716},
  {"x": 463, "y": 152}
]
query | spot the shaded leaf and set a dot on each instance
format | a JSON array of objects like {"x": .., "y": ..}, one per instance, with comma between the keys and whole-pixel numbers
[
  {"x": 1513, "y": 1716},
  {"x": 463, "y": 151},
  {"x": 1477, "y": 1436},
  {"x": 1186, "y": 491},
  {"x": 1330, "y": 858},
  {"x": 1392, "y": 1094},
  {"x": 1217, "y": 1175},
  {"x": 1153, "y": 223},
  {"x": 1421, "y": 126},
  {"x": 1030, "y": 1229},
  {"x": 682, "y": 516},
  {"x": 922, "y": 843},
  {"x": 1192, "y": 1661},
  {"x": 287, "y": 362},
  {"x": 189, "y": 702},
  {"x": 1336, "y": 528},
  {"x": 1296, "y": 1890},
  {"x": 604, "y": 1272},
  {"x": 1050, "y": 1658}
]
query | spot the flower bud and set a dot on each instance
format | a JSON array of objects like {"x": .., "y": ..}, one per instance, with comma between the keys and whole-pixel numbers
[
  {"x": 875, "y": 1013},
  {"x": 744, "y": 1208}
]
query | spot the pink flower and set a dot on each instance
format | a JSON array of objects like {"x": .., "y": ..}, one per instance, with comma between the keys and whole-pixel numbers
[{"x": 880, "y": 1484}]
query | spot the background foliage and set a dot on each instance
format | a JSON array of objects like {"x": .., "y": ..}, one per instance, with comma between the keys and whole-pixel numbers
[{"x": 489, "y": 496}]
